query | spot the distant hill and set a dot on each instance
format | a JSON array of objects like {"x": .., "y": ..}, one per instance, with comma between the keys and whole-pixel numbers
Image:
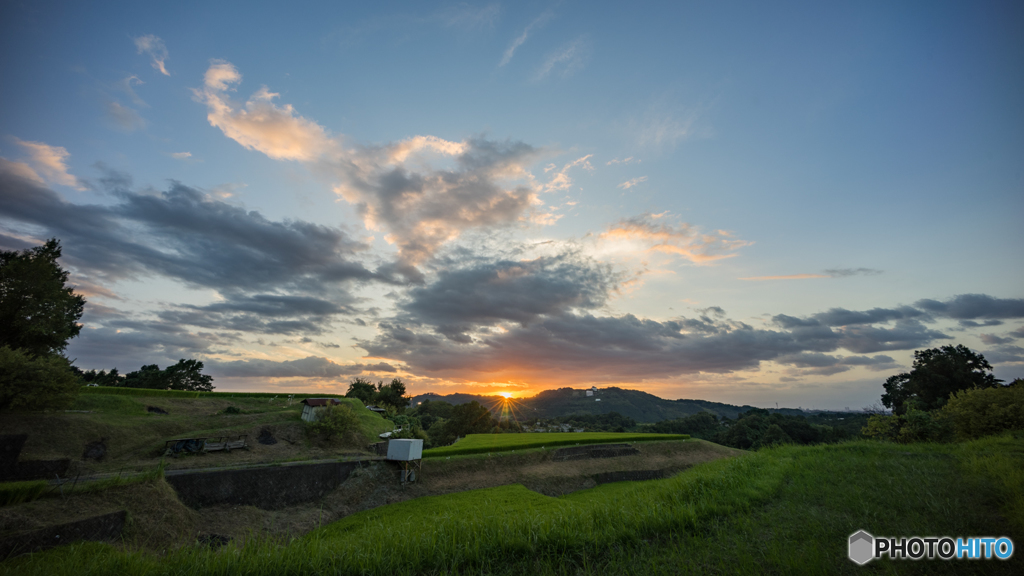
[{"x": 639, "y": 406}]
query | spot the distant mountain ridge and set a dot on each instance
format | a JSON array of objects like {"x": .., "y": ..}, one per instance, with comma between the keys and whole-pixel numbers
[{"x": 639, "y": 406}]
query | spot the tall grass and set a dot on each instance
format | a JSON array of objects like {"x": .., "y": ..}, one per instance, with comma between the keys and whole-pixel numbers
[
  {"x": 483, "y": 443},
  {"x": 18, "y": 492},
  {"x": 779, "y": 511}
]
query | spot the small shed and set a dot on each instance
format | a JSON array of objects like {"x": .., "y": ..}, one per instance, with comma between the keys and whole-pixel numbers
[
  {"x": 376, "y": 409},
  {"x": 314, "y": 405}
]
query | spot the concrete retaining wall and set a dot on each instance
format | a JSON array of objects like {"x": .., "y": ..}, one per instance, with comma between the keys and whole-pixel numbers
[
  {"x": 267, "y": 488},
  {"x": 630, "y": 476},
  {"x": 593, "y": 451}
]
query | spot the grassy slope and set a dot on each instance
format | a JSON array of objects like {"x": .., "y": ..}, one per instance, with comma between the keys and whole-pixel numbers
[
  {"x": 780, "y": 511},
  {"x": 483, "y": 443},
  {"x": 135, "y": 437}
]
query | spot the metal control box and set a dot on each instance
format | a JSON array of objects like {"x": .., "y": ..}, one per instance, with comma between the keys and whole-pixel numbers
[{"x": 405, "y": 450}]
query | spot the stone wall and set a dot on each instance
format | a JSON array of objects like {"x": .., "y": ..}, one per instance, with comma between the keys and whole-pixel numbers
[{"x": 268, "y": 488}]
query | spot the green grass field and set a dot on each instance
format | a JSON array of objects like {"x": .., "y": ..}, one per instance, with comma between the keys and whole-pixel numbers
[
  {"x": 786, "y": 510},
  {"x": 118, "y": 391},
  {"x": 484, "y": 443},
  {"x": 135, "y": 436}
]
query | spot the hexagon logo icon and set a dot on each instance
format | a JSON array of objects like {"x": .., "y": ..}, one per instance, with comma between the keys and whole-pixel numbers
[{"x": 861, "y": 547}]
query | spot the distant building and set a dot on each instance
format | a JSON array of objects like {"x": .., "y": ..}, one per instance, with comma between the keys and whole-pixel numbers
[
  {"x": 376, "y": 409},
  {"x": 314, "y": 405},
  {"x": 590, "y": 392}
]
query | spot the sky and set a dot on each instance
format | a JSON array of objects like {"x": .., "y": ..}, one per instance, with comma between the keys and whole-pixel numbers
[{"x": 744, "y": 202}]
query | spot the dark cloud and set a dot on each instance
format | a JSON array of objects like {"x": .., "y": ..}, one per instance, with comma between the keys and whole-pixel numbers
[
  {"x": 517, "y": 291},
  {"x": 843, "y": 317},
  {"x": 184, "y": 235},
  {"x": 992, "y": 339},
  {"x": 1018, "y": 333},
  {"x": 1005, "y": 353},
  {"x": 310, "y": 367},
  {"x": 261, "y": 313},
  {"x": 975, "y": 307},
  {"x": 276, "y": 277},
  {"x": 985, "y": 324}
]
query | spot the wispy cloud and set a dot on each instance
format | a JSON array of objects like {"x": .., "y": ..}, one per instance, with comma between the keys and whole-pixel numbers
[
  {"x": 470, "y": 17},
  {"x": 628, "y": 160},
  {"x": 570, "y": 57},
  {"x": 49, "y": 162},
  {"x": 127, "y": 86},
  {"x": 630, "y": 183},
  {"x": 648, "y": 232},
  {"x": 154, "y": 46},
  {"x": 831, "y": 273},
  {"x": 561, "y": 180},
  {"x": 519, "y": 40},
  {"x": 181, "y": 155},
  {"x": 123, "y": 118}
]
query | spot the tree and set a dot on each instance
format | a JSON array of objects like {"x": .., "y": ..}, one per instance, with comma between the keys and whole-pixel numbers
[
  {"x": 392, "y": 395},
  {"x": 38, "y": 312},
  {"x": 185, "y": 375},
  {"x": 469, "y": 418},
  {"x": 362, "y": 389},
  {"x": 149, "y": 376},
  {"x": 937, "y": 373},
  {"x": 188, "y": 375}
]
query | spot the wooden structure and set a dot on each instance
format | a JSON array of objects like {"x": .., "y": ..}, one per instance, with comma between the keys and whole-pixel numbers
[{"x": 312, "y": 406}]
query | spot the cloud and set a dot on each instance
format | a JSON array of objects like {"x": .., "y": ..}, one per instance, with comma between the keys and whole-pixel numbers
[
  {"x": 630, "y": 183},
  {"x": 260, "y": 124},
  {"x": 1005, "y": 354},
  {"x": 488, "y": 186},
  {"x": 570, "y": 57},
  {"x": 48, "y": 161},
  {"x": 124, "y": 118},
  {"x": 488, "y": 293},
  {"x": 992, "y": 339},
  {"x": 1018, "y": 333},
  {"x": 628, "y": 160},
  {"x": 470, "y": 17},
  {"x": 127, "y": 86},
  {"x": 682, "y": 240},
  {"x": 310, "y": 367},
  {"x": 519, "y": 40},
  {"x": 181, "y": 155},
  {"x": 816, "y": 363},
  {"x": 153, "y": 46},
  {"x": 975, "y": 307},
  {"x": 832, "y": 273},
  {"x": 272, "y": 275},
  {"x": 20, "y": 170},
  {"x": 424, "y": 191},
  {"x": 561, "y": 180}
]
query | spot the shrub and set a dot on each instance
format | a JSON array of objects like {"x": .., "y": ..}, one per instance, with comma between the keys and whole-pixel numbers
[
  {"x": 335, "y": 421},
  {"x": 35, "y": 382},
  {"x": 983, "y": 412}
]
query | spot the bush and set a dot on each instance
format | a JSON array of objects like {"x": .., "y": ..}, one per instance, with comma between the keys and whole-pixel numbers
[
  {"x": 983, "y": 412},
  {"x": 914, "y": 426},
  {"x": 35, "y": 382},
  {"x": 336, "y": 421}
]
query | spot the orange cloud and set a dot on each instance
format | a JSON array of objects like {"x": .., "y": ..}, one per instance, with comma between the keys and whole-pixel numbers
[
  {"x": 682, "y": 240},
  {"x": 277, "y": 131}
]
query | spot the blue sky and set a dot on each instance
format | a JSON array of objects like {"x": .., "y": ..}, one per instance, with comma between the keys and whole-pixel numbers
[{"x": 731, "y": 201}]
